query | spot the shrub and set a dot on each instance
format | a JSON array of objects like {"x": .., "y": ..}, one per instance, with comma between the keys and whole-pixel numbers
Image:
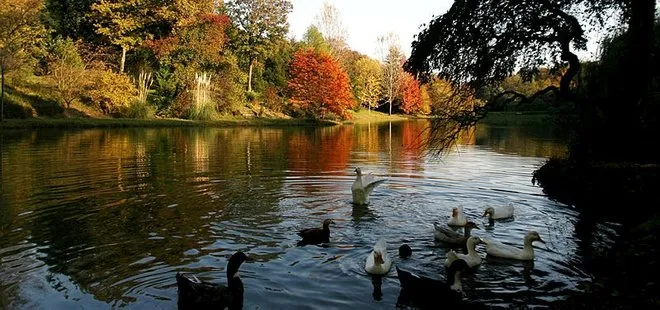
[
  {"x": 251, "y": 96},
  {"x": 110, "y": 92},
  {"x": 139, "y": 109},
  {"x": 165, "y": 86},
  {"x": 202, "y": 107},
  {"x": 67, "y": 70},
  {"x": 13, "y": 110},
  {"x": 273, "y": 101}
]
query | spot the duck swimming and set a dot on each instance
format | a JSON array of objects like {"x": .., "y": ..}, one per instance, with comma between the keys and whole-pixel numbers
[
  {"x": 457, "y": 217},
  {"x": 431, "y": 293},
  {"x": 197, "y": 294},
  {"x": 405, "y": 251},
  {"x": 449, "y": 236},
  {"x": 378, "y": 262},
  {"x": 363, "y": 186},
  {"x": 316, "y": 235},
  {"x": 506, "y": 251},
  {"x": 498, "y": 213},
  {"x": 472, "y": 258}
]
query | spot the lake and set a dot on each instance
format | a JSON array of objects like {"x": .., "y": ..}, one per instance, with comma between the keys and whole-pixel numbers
[{"x": 105, "y": 218}]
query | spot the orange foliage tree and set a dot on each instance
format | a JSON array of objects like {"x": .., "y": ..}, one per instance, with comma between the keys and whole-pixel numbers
[
  {"x": 411, "y": 94},
  {"x": 319, "y": 84}
]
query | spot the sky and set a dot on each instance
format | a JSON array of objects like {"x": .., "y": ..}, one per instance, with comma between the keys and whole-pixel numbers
[{"x": 365, "y": 20}]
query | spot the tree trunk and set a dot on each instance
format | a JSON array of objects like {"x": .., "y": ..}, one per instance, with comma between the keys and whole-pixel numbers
[
  {"x": 390, "y": 100},
  {"x": 250, "y": 75},
  {"x": 573, "y": 69},
  {"x": 640, "y": 30},
  {"x": 123, "y": 59},
  {"x": 2, "y": 95}
]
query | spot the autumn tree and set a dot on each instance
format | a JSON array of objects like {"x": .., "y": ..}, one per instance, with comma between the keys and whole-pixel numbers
[
  {"x": 259, "y": 24},
  {"x": 368, "y": 82},
  {"x": 411, "y": 95},
  {"x": 67, "y": 71},
  {"x": 20, "y": 31},
  {"x": 392, "y": 58},
  {"x": 194, "y": 47},
  {"x": 319, "y": 84},
  {"x": 447, "y": 99},
  {"x": 122, "y": 23}
]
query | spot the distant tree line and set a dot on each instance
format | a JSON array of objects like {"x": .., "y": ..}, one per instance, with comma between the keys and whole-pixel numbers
[{"x": 197, "y": 59}]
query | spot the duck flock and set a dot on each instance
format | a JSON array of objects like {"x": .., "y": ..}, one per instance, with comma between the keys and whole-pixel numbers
[{"x": 423, "y": 292}]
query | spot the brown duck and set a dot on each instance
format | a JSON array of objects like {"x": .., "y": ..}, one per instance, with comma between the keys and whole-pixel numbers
[{"x": 316, "y": 235}]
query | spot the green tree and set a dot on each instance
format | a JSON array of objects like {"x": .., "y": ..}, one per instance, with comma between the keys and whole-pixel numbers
[
  {"x": 20, "y": 31},
  {"x": 368, "y": 81},
  {"x": 70, "y": 19},
  {"x": 276, "y": 66},
  {"x": 313, "y": 38},
  {"x": 259, "y": 24}
]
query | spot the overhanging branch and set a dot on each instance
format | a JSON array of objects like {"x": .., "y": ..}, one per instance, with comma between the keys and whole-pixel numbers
[{"x": 495, "y": 101}]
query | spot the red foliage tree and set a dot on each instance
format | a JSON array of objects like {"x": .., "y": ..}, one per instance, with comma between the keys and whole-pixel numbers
[
  {"x": 411, "y": 94},
  {"x": 319, "y": 84},
  {"x": 204, "y": 39}
]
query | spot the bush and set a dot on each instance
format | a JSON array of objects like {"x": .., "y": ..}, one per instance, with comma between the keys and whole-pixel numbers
[
  {"x": 165, "y": 85},
  {"x": 202, "y": 107},
  {"x": 273, "y": 101},
  {"x": 204, "y": 112},
  {"x": 67, "y": 70},
  {"x": 140, "y": 109},
  {"x": 13, "y": 110},
  {"x": 251, "y": 96},
  {"x": 110, "y": 92}
]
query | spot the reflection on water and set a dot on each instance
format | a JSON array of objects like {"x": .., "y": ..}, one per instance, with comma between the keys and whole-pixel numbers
[{"x": 105, "y": 218}]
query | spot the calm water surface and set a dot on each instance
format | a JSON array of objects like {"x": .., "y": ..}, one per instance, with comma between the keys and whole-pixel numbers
[{"x": 105, "y": 218}]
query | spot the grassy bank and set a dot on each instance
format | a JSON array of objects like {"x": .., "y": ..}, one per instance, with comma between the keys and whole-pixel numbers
[
  {"x": 124, "y": 122},
  {"x": 517, "y": 118},
  {"x": 364, "y": 116}
]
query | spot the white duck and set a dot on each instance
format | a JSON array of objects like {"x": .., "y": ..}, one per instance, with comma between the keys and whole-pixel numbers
[
  {"x": 472, "y": 258},
  {"x": 506, "y": 251},
  {"x": 498, "y": 213},
  {"x": 362, "y": 187},
  {"x": 378, "y": 262},
  {"x": 457, "y": 217}
]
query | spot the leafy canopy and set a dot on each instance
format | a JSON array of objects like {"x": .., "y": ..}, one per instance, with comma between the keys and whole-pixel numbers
[
  {"x": 482, "y": 42},
  {"x": 319, "y": 84},
  {"x": 259, "y": 23}
]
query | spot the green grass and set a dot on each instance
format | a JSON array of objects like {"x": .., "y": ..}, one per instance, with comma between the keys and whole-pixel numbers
[
  {"x": 125, "y": 122},
  {"x": 517, "y": 118}
]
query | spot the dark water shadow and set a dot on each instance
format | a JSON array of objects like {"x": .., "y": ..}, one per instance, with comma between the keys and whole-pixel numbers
[{"x": 377, "y": 282}]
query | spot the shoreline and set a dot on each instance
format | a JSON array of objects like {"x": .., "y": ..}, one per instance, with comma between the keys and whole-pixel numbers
[
  {"x": 78, "y": 123},
  {"x": 229, "y": 121}
]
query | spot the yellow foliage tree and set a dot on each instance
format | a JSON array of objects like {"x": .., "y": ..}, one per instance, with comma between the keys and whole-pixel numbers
[
  {"x": 368, "y": 81},
  {"x": 20, "y": 31}
]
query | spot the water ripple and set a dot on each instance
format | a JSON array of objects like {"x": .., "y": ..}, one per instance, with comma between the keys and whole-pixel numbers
[{"x": 105, "y": 218}]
